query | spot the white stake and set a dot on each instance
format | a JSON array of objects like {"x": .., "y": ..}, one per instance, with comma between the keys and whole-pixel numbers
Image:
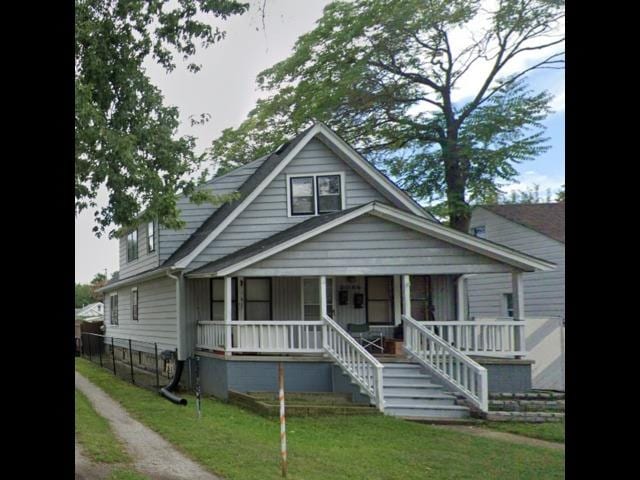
[{"x": 283, "y": 428}]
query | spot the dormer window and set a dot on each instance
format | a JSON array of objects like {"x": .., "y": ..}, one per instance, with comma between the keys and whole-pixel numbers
[{"x": 315, "y": 194}]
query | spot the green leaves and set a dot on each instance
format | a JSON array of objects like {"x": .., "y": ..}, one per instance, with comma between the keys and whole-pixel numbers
[
  {"x": 384, "y": 75},
  {"x": 125, "y": 136}
]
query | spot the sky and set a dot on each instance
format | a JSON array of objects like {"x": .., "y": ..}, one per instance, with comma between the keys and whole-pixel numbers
[{"x": 225, "y": 88}]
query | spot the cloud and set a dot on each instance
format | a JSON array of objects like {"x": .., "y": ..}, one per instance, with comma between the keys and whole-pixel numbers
[{"x": 529, "y": 179}]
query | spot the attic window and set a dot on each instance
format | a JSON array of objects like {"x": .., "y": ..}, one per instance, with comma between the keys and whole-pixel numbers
[
  {"x": 315, "y": 194},
  {"x": 480, "y": 231},
  {"x": 132, "y": 245}
]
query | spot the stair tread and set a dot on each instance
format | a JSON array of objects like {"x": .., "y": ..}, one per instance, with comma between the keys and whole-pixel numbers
[
  {"x": 428, "y": 407},
  {"x": 400, "y": 385},
  {"x": 419, "y": 395}
]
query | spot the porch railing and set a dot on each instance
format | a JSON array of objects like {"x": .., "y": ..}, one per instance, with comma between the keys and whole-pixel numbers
[
  {"x": 359, "y": 364},
  {"x": 494, "y": 337},
  {"x": 446, "y": 361},
  {"x": 273, "y": 336}
]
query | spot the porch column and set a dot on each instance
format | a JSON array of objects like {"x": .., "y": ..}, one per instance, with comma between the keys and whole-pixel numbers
[
  {"x": 462, "y": 306},
  {"x": 227, "y": 315},
  {"x": 240, "y": 295},
  {"x": 397, "y": 300},
  {"x": 406, "y": 295},
  {"x": 517, "y": 288},
  {"x": 323, "y": 296}
]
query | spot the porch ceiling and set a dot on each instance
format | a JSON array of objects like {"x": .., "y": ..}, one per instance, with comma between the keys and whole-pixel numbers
[{"x": 437, "y": 249}]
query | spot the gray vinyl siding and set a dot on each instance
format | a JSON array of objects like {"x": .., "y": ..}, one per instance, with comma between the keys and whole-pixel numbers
[
  {"x": 194, "y": 215},
  {"x": 543, "y": 291},
  {"x": 268, "y": 213},
  {"x": 198, "y": 308},
  {"x": 145, "y": 261},
  {"x": 156, "y": 313},
  {"x": 369, "y": 245}
]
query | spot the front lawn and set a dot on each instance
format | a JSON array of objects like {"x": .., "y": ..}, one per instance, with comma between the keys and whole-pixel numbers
[
  {"x": 239, "y": 445},
  {"x": 551, "y": 431}
]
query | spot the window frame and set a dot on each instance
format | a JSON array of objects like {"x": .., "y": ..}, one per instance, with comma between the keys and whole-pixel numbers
[
  {"x": 505, "y": 304},
  {"x": 112, "y": 310},
  {"x": 135, "y": 307},
  {"x": 130, "y": 257},
  {"x": 391, "y": 300},
  {"x": 151, "y": 239},
  {"x": 331, "y": 312},
  {"x": 314, "y": 176},
  {"x": 246, "y": 290}
]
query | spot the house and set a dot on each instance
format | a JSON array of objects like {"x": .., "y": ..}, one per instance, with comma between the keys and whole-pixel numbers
[
  {"x": 92, "y": 310},
  {"x": 318, "y": 241},
  {"x": 536, "y": 229}
]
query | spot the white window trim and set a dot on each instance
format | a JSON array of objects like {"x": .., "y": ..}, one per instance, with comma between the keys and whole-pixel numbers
[
  {"x": 112, "y": 325},
  {"x": 134, "y": 289},
  {"x": 155, "y": 247},
  {"x": 504, "y": 310},
  {"x": 333, "y": 293},
  {"x": 131, "y": 260},
  {"x": 315, "y": 193}
]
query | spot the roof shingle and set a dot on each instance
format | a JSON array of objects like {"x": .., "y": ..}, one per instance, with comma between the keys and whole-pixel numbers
[{"x": 545, "y": 218}]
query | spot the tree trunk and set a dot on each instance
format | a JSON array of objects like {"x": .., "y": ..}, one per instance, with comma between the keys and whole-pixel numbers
[{"x": 455, "y": 178}]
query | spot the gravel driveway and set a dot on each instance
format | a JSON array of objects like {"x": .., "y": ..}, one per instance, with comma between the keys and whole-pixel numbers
[{"x": 152, "y": 455}]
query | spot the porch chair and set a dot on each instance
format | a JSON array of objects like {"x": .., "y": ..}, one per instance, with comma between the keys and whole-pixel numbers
[{"x": 371, "y": 340}]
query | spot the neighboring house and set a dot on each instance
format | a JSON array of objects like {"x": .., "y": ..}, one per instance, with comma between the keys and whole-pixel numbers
[
  {"x": 90, "y": 311},
  {"x": 317, "y": 242},
  {"x": 536, "y": 229}
]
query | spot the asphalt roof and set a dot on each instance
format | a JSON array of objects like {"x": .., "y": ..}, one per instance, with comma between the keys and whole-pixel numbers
[
  {"x": 249, "y": 185},
  {"x": 545, "y": 218}
]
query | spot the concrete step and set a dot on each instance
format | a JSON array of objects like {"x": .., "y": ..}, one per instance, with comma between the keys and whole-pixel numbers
[
  {"x": 392, "y": 401},
  {"x": 389, "y": 387},
  {"x": 434, "y": 411}
]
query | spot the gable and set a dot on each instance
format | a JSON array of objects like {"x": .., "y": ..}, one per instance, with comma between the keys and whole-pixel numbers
[
  {"x": 268, "y": 213},
  {"x": 369, "y": 245},
  {"x": 194, "y": 215}
]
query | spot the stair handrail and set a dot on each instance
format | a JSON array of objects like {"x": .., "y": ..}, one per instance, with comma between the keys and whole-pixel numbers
[
  {"x": 353, "y": 360},
  {"x": 462, "y": 372}
]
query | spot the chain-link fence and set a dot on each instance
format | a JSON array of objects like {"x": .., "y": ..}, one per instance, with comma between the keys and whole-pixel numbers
[{"x": 141, "y": 363}]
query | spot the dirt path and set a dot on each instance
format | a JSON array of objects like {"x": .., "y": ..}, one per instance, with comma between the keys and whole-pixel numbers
[
  {"x": 88, "y": 470},
  {"x": 152, "y": 455},
  {"x": 509, "y": 437}
]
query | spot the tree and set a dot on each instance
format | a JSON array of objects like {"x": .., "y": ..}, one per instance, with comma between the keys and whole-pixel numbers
[
  {"x": 99, "y": 281},
  {"x": 384, "y": 75},
  {"x": 83, "y": 295},
  {"x": 560, "y": 194},
  {"x": 125, "y": 135}
]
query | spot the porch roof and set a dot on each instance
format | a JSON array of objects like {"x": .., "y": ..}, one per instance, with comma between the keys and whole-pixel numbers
[{"x": 316, "y": 225}]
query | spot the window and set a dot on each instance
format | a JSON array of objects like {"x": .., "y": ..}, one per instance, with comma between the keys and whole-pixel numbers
[
  {"x": 217, "y": 299},
  {"x": 311, "y": 298},
  {"x": 132, "y": 245},
  {"x": 114, "y": 309},
  {"x": 329, "y": 195},
  {"x": 379, "y": 293},
  {"x": 315, "y": 194},
  {"x": 257, "y": 299},
  {"x": 480, "y": 231},
  {"x": 134, "y": 304},
  {"x": 421, "y": 301},
  {"x": 508, "y": 304},
  {"x": 151, "y": 241}
]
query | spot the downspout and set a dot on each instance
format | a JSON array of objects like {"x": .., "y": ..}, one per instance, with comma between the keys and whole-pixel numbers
[{"x": 167, "y": 391}]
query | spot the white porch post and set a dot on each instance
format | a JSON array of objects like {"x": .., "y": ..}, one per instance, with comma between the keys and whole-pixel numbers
[
  {"x": 240, "y": 295},
  {"x": 462, "y": 298},
  {"x": 323, "y": 296},
  {"x": 227, "y": 315},
  {"x": 517, "y": 287},
  {"x": 406, "y": 295}
]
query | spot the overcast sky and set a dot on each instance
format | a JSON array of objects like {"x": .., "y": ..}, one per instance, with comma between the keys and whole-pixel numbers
[{"x": 225, "y": 88}]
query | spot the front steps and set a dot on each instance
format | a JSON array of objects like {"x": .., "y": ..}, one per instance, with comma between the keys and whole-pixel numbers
[{"x": 410, "y": 393}]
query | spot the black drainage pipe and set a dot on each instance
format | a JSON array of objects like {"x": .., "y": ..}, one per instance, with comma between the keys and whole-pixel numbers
[{"x": 167, "y": 393}]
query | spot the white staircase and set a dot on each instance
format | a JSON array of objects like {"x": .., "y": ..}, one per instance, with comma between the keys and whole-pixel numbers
[{"x": 410, "y": 393}]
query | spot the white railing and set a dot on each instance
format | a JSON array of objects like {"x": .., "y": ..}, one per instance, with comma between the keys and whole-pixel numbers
[
  {"x": 359, "y": 364},
  {"x": 273, "y": 336},
  {"x": 493, "y": 337},
  {"x": 446, "y": 361},
  {"x": 211, "y": 335}
]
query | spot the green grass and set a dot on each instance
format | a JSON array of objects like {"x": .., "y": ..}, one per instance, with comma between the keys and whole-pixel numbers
[
  {"x": 240, "y": 445},
  {"x": 126, "y": 474},
  {"x": 95, "y": 435},
  {"x": 551, "y": 431}
]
